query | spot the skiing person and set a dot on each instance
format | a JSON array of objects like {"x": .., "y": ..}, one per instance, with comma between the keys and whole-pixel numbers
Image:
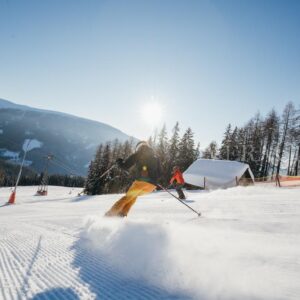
[
  {"x": 177, "y": 181},
  {"x": 148, "y": 170}
]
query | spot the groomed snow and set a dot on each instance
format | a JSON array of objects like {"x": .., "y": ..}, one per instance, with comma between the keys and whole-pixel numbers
[{"x": 245, "y": 246}]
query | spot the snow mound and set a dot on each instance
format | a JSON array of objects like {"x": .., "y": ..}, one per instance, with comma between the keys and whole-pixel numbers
[{"x": 205, "y": 262}]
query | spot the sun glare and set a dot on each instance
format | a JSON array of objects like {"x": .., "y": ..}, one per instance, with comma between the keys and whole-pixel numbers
[{"x": 152, "y": 113}]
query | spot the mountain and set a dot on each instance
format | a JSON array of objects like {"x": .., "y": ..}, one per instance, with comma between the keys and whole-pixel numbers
[{"x": 71, "y": 140}]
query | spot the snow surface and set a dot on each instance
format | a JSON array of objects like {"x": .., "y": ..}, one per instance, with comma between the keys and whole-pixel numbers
[
  {"x": 14, "y": 157},
  {"x": 245, "y": 246},
  {"x": 9, "y": 154}
]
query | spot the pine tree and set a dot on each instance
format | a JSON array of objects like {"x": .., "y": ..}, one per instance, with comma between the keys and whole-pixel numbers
[
  {"x": 197, "y": 152},
  {"x": 116, "y": 180},
  {"x": 297, "y": 163},
  {"x": 173, "y": 155},
  {"x": 241, "y": 144},
  {"x": 92, "y": 185},
  {"x": 120, "y": 179},
  {"x": 211, "y": 151},
  {"x": 233, "y": 145},
  {"x": 187, "y": 150},
  {"x": 287, "y": 119},
  {"x": 270, "y": 132},
  {"x": 162, "y": 151},
  {"x": 256, "y": 145},
  {"x": 293, "y": 140},
  {"x": 225, "y": 145}
]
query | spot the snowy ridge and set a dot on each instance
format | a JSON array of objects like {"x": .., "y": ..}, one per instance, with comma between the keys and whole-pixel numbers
[
  {"x": 75, "y": 145},
  {"x": 5, "y": 104},
  {"x": 61, "y": 247}
]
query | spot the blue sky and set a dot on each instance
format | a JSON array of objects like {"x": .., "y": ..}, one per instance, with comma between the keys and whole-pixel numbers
[{"x": 207, "y": 63}]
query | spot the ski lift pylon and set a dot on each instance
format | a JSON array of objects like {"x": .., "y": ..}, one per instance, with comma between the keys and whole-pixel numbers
[{"x": 43, "y": 187}]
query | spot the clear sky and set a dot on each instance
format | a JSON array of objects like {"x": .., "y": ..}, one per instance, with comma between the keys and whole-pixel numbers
[{"x": 207, "y": 63}]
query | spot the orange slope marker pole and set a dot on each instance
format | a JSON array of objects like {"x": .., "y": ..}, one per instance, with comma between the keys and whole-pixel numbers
[{"x": 12, "y": 198}]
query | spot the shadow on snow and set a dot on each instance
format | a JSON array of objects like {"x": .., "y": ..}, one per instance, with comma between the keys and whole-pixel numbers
[{"x": 56, "y": 293}]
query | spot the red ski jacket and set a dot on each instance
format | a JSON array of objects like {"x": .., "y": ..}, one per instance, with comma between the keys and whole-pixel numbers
[{"x": 177, "y": 175}]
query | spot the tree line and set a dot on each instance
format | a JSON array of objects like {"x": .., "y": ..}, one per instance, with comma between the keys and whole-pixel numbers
[
  {"x": 269, "y": 144},
  {"x": 176, "y": 150},
  {"x": 9, "y": 173}
]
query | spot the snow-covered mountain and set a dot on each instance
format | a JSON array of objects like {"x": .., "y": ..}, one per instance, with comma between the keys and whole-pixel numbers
[{"x": 72, "y": 140}]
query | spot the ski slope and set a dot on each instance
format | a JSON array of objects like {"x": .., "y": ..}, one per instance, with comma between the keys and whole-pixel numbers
[{"x": 246, "y": 246}]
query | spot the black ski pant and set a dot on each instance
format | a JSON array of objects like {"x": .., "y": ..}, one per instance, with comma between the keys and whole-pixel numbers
[{"x": 179, "y": 191}]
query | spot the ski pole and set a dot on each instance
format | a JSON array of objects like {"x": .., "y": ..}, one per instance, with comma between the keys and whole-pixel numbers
[
  {"x": 198, "y": 213},
  {"x": 105, "y": 173}
]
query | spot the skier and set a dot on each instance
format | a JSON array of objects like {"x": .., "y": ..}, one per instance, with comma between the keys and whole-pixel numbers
[
  {"x": 177, "y": 181},
  {"x": 148, "y": 171}
]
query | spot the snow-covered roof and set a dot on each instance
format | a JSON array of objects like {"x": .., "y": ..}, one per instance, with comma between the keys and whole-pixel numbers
[{"x": 211, "y": 173}]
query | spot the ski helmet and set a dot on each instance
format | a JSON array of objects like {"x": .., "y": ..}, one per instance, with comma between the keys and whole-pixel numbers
[{"x": 140, "y": 145}]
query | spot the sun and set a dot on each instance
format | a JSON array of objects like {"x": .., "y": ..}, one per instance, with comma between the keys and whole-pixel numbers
[{"x": 152, "y": 113}]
